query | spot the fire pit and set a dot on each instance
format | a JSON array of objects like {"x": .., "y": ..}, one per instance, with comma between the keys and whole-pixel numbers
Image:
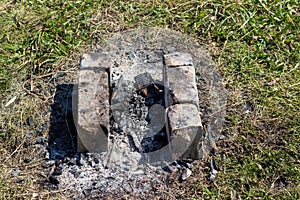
[
  {"x": 146, "y": 99},
  {"x": 151, "y": 106}
]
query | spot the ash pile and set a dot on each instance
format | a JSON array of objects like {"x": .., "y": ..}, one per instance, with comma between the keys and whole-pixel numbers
[{"x": 144, "y": 107}]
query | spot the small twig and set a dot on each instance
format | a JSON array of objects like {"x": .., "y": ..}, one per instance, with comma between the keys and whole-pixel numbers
[
  {"x": 15, "y": 151},
  {"x": 43, "y": 97}
]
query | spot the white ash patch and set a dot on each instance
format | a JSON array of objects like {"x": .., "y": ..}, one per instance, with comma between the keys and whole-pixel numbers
[{"x": 87, "y": 177}]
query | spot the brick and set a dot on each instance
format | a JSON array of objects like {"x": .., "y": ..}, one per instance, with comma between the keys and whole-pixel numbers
[
  {"x": 185, "y": 126},
  {"x": 181, "y": 80},
  {"x": 93, "y": 104},
  {"x": 178, "y": 59},
  {"x": 183, "y": 116}
]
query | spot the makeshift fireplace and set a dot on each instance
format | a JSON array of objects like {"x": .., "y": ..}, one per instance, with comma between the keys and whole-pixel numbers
[
  {"x": 150, "y": 107},
  {"x": 145, "y": 99}
]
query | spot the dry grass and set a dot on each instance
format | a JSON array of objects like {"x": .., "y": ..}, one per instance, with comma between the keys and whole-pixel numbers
[{"x": 255, "y": 44}]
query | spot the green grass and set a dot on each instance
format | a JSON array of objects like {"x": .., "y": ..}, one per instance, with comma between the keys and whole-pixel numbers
[{"x": 252, "y": 42}]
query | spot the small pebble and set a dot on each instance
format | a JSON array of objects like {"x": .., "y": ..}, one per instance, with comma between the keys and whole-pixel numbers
[
  {"x": 187, "y": 160},
  {"x": 186, "y": 173},
  {"x": 82, "y": 161},
  {"x": 87, "y": 192},
  {"x": 96, "y": 160},
  {"x": 72, "y": 161},
  {"x": 223, "y": 157},
  {"x": 131, "y": 56},
  {"x": 28, "y": 134},
  {"x": 222, "y": 137},
  {"x": 34, "y": 195},
  {"x": 66, "y": 159},
  {"x": 41, "y": 129},
  {"x": 51, "y": 162},
  {"x": 50, "y": 109},
  {"x": 213, "y": 175},
  {"x": 41, "y": 140},
  {"x": 47, "y": 155},
  {"x": 92, "y": 163},
  {"x": 16, "y": 172}
]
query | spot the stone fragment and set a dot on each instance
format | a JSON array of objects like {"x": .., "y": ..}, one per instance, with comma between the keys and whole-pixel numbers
[
  {"x": 185, "y": 124},
  {"x": 93, "y": 103},
  {"x": 178, "y": 59},
  {"x": 222, "y": 137},
  {"x": 186, "y": 173},
  {"x": 181, "y": 79},
  {"x": 53, "y": 180}
]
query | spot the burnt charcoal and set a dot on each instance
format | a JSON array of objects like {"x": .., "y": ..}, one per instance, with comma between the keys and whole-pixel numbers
[
  {"x": 281, "y": 182},
  {"x": 149, "y": 102},
  {"x": 53, "y": 180},
  {"x": 150, "y": 144},
  {"x": 187, "y": 165},
  {"x": 30, "y": 121},
  {"x": 58, "y": 162},
  {"x": 87, "y": 192},
  {"x": 58, "y": 171},
  {"x": 187, "y": 160},
  {"x": 26, "y": 144}
]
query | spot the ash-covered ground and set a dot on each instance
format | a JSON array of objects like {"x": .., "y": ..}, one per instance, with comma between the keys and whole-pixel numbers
[{"x": 91, "y": 175}]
